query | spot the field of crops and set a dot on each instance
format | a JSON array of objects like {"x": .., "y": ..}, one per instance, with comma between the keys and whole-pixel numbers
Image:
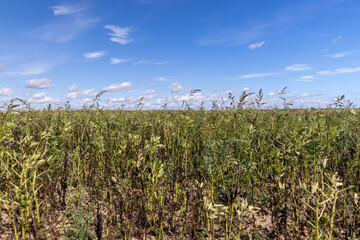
[{"x": 235, "y": 174}]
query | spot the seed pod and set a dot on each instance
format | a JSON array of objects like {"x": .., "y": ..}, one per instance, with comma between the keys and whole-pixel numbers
[
  {"x": 39, "y": 163},
  {"x": 33, "y": 144},
  {"x": 11, "y": 125},
  {"x": 113, "y": 179}
]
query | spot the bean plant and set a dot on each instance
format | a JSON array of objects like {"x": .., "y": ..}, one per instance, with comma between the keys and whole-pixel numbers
[{"x": 241, "y": 171}]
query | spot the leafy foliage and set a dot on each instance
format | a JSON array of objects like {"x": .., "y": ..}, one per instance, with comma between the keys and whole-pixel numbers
[{"x": 257, "y": 174}]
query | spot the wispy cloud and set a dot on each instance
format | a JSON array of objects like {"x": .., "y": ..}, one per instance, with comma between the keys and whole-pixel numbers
[
  {"x": 64, "y": 31},
  {"x": 39, "y": 95},
  {"x": 72, "y": 88},
  {"x": 160, "y": 79},
  {"x": 2, "y": 67},
  {"x": 338, "y": 55},
  {"x": 74, "y": 22},
  {"x": 256, "y": 45},
  {"x": 341, "y": 54},
  {"x": 6, "y": 92},
  {"x": 118, "y": 60},
  {"x": 297, "y": 67},
  {"x": 83, "y": 93},
  {"x": 119, "y": 34},
  {"x": 235, "y": 36},
  {"x": 256, "y": 75},
  {"x": 278, "y": 22},
  {"x": 142, "y": 62},
  {"x": 94, "y": 54},
  {"x": 326, "y": 72},
  {"x": 306, "y": 78},
  {"x": 302, "y": 80},
  {"x": 176, "y": 87},
  {"x": 149, "y": 92},
  {"x": 31, "y": 69},
  {"x": 117, "y": 87},
  {"x": 67, "y": 9},
  {"x": 43, "y": 99},
  {"x": 337, "y": 39},
  {"x": 42, "y": 83},
  {"x": 156, "y": 63},
  {"x": 339, "y": 71},
  {"x": 166, "y": 62}
]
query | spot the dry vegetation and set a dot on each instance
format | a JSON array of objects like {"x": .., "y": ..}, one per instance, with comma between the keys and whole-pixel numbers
[{"x": 236, "y": 174}]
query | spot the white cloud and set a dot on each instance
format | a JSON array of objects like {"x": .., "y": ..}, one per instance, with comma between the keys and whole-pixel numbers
[
  {"x": 46, "y": 100},
  {"x": 67, "y": 10},
  {"x": 302, "y": 80},
  {"x": 94, "y": 54},
  {"x": 246, "y": 89},
  {"x": 89, "y": 92},
  {"x": 149, "y": 94},
  {"x": 39, "y": 95},
  {"x": 256, "y": 75},
  {"x": 324, "y": 72},
  {"x": 87, "y": 101},
  {"x": 176, "y": 87},
  {"x": 119, "y": 35},
  {"x": 348, "y": 70},
  {"x": 83, "y": 93},
  {"x": 72, "y": 88},
  {"x": 297, "y": 67},
  {"x": 65, "y": 29},
  {"x": 41, "y": 99},
  {"x": 129, "y": 99},
  {"x": 39, "y": 83},
  {"x": 337, "y": 39},
  {"x": 118, "y": 60},
  {"x": 116, "y": 87},
  {"x": 142, "y": 62},
  {"x": 165, "y": 62},
  {"x": 118, "y": 100},
  {"x": 341, "y": 54},
  {"x": 7, "y": 92},
  {"x": 307, "y": 77},
  {"x": 32, "y": 69},
  {"x": 150, "y": 91},
  {"x": 339, "y": 71},
  {"x": 73, "y": 95},
  {"x": 160, "y": 79},
  {"x": 150, "y": 100},
  {"x": 338, "y": 55},
  {"x": 256, "y": 45}
]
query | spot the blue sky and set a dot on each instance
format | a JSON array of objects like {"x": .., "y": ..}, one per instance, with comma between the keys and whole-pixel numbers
[{"x": 158, "y": 50}]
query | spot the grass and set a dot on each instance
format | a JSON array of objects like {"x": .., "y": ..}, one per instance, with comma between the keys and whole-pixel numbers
[{"x": 244, "y": 173}]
